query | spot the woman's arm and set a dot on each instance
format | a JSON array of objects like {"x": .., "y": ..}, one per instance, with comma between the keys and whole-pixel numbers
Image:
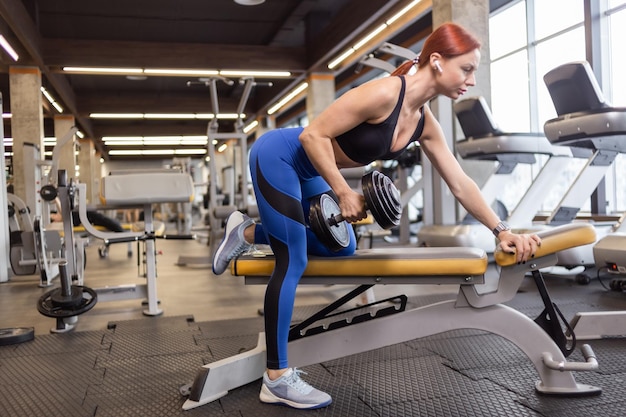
[
  {"x": 466, "y": 191},
  {"x": 371, "y": 102}
]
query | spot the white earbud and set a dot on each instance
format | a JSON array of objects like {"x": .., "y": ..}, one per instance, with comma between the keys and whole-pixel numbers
[{"x": 438, "y": 66}]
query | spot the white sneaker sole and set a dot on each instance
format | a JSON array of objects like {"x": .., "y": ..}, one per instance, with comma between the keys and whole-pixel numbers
[{"x": 267, "y": 397}]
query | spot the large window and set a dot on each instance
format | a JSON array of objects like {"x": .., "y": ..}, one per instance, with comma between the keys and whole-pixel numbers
[
  {"x": 527, "y": 39},
  {"x": 617, "y": 94}
]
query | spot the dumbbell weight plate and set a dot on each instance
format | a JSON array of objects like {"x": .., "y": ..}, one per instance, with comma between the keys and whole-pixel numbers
[
  {"x": 390, "y": 199},
  {"x": 382, "y": 199},
  {"x": 335, "y": 237}
]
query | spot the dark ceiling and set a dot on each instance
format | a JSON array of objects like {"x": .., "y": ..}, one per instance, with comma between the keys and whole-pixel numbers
[{"x": 299, "y": 36}]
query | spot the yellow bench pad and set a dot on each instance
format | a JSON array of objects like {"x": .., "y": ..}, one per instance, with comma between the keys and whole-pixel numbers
[
  {"x": 554, "y": 240},
  {"x": 378, "y": 262}
]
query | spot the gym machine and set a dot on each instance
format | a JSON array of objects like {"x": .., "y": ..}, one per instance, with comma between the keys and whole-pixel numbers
[
  {"x": 585, "y": 120},
  {"x": 66, "y": 302},
  {"x": 218, "y": 212},
  {"x": 34, "y": 245},
  {"x": 121, "y": 190},
  {"x": 131, "y": 189}
]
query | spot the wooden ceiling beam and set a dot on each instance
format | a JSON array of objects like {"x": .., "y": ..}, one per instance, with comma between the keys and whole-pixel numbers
[
  {"x": 16, "y": 16},
  {"x": 149, "y": 102},
  {"x": 102, "y": 53},
  {"x": 197, "y": 127},
  {"x": 351, "y": 22}
]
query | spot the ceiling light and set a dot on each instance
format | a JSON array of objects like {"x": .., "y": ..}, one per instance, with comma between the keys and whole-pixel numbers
[
  {"x": 249, "y": 2},
  {"x": 103, "y": 70},
  {"x": 182, "y": 72},
  {"x": 8, "y": 48},
  {"x": 251, "y": 73},
  {"x": 175, "y": 72},
  {"x": 51, "y": 99},
  {"x": 287, "y": 98},
  {"x": 251, "y": 126},
  {"x": 334, "y": 63},
  {"x": 166, "y": 116}
]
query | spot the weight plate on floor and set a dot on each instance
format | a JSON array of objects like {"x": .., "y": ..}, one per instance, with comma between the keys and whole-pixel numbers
[
  {"x": 54, "y": 304},
  {"x": 15, "y": 335},
  {"x": 323, "y": 208}
]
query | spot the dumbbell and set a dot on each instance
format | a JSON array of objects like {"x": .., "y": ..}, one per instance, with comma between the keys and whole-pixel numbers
[{"x": 382, "y": 199}]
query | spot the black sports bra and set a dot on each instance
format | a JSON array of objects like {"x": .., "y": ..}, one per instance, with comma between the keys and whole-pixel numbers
[{"x": 369, "y": 142}]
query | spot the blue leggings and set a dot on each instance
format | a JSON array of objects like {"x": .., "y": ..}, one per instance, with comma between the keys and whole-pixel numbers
[{"x": 284, "y": 181}]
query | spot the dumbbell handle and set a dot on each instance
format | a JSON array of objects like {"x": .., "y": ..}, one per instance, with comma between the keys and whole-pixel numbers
[{"x": 337, "y": 218}]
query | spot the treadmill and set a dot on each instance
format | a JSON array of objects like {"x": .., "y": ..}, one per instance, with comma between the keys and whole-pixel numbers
[{"x": 585, "y": 120}]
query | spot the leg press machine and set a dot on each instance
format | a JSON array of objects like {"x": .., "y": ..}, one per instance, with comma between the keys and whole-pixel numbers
[{"x": 542, "y": 339}]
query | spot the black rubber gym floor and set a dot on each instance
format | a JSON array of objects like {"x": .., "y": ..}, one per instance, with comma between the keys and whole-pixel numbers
[{"x": 135, "y": 368}]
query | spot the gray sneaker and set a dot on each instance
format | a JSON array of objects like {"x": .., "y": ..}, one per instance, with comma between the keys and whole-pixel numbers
[
  {"x": 233, "y": 243},
  {"x": 292, "y": 391}
]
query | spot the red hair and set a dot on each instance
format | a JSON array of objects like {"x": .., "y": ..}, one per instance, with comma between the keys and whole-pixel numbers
[{"x": 449, "y": 40}]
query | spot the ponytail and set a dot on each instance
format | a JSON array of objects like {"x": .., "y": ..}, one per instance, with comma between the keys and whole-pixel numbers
[
  {"x": 405, "y": 67},
  {"x": 449, "y": 40}
]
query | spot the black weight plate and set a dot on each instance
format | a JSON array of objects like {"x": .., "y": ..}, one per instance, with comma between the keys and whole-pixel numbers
[
  {"x": 393, "y": 196},
  {"x": 388, "y": 197},
  {"x": 15, "y": 335},
  {"x": 15, "y": 256},
  {"x": 374, "y": 184},
  {"x": 47, "y": 306}
]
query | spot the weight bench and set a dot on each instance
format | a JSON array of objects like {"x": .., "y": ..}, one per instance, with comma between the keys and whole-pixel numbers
[
  {"x": 545, "y": 344},
  {"x": 138, "y": 189}
]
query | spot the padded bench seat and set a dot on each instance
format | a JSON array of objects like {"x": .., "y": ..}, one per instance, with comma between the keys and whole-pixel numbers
[
  {"x": 411, "y": 265},
  {"x": 381, "y": 266},
  {"x": 136, "y": 189}
]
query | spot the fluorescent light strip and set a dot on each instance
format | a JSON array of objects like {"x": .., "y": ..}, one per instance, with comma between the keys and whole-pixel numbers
[
  {"x": 288, "y": 98},
  {"x": 8, "y": 48},
  {"x": 402, "y": 12},
  {"x": 156, "y": 152},
  {"x": 262, "y": 74},
  {"x": 51, "y": 99},
  {"x": 334, "y": 63},
  {"x": 201, "y": 140},
  {"x": 251, "y": 126},
  {"x": 165, "y": 116},
  {"x": 165, "y": 71},
  {"x": 176, "y": 72},
  {"x": 47, "y": 141},
  {"x": 103, "y": 70},
  {"x": 369, "y": 36}
]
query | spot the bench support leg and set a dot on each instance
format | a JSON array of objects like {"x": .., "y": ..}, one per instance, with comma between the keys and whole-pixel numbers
[
  {"x": 151, "y": 274},
  {"x": 389, "y": 330}
]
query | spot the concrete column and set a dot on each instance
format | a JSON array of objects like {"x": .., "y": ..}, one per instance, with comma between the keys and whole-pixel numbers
[
  {"x": 87, "y": 160},
  {"x": 67, "y": 151},
  {"x": 440, "y": 205},
  {"x": 321, "y": 93},
  {"x": 26, "y": 127}
]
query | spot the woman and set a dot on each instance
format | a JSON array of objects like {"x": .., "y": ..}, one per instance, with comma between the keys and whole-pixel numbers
[{"x": 374, "y": 121}]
